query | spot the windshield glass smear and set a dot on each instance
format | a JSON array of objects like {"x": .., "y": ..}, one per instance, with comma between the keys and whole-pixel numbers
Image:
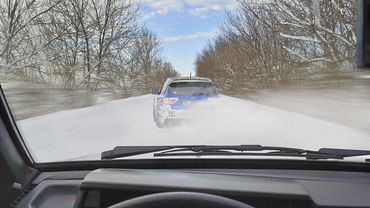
[{"x": 185, "y": 79}]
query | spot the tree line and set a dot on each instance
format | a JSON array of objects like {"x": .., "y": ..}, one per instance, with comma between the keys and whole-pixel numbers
[
  {"x": 81, "y": 44},
  {"x": 267, "y": 42}
]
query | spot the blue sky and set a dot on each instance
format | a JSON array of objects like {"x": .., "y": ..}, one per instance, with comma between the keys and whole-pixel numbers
[{"x": 185, "y": 27}]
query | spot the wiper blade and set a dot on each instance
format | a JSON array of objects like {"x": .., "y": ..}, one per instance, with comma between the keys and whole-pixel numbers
[
  {"x": 126, "y": 151},
  {"x": 247, "y": 150},
  {"x": 230, "y": 150}
]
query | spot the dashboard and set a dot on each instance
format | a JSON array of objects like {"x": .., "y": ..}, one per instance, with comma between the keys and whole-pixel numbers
[{"x": 258, "y": 188}]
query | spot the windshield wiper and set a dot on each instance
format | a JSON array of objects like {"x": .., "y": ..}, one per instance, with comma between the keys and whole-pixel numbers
[{"x": 230, "y": 150}]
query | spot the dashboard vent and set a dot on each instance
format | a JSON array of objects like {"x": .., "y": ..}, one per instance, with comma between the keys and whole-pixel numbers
[
  {"x": 92, "y": 199},
  {"x": 28, "y": 189}
]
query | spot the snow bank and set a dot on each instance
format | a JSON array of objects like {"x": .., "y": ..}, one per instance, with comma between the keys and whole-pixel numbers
[{"x": 84, "y": 133}]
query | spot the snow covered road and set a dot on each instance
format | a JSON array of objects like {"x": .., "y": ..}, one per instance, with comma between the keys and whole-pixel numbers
[{"x": 84, "y": 133}]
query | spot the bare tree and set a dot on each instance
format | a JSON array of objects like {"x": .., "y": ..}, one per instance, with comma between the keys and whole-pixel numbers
[
  {"x": 323, "y": 31},
  {"x": 81, "y": 44},
  {"x": 264, "y": 43},
  {"x": 18, "y": 37},
  {"x": 93, "y": 33},
  {"x": 146, "y": 50}
]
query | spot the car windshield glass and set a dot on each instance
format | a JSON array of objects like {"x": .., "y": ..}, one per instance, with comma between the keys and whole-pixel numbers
[
  {"x": 209, "y": 79},
  {"x": 192, "y": 89}
]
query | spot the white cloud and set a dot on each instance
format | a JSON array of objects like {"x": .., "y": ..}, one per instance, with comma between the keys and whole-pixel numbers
[
  {"x": 193, "y": 7},
  {"x": 200, "y": 11},
  {"x": 216, "y": 7},
  {"x": 193, "y": 36},
  {"x": 149, "y": 15},
  {"x": 162, "y": 7}
]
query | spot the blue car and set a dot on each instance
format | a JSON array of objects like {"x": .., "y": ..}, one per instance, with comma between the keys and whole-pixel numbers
[{"x": 178, "y": 98}]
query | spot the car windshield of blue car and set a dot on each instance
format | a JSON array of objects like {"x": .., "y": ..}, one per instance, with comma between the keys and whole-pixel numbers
[{"x": 82, "y": 77}]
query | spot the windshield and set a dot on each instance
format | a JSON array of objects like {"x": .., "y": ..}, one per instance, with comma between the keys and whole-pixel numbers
[
  {"x": 192, "y": 89},
  {"x": 82, "y": 77}
]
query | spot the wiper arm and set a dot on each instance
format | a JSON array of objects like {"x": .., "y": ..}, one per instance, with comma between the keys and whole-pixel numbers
[
  {"x": 230, "y": 150},
  {"x": 127, "y": 151}
]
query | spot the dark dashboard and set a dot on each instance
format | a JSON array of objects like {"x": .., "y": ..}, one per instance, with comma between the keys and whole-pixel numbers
[{"x": 258, "y": 188}]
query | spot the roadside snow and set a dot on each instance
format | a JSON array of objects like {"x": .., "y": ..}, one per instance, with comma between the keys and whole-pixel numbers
[{"x": 84, "y": 133}]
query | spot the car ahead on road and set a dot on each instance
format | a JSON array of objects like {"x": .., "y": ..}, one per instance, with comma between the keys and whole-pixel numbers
[{"x": 178, "y": 98}]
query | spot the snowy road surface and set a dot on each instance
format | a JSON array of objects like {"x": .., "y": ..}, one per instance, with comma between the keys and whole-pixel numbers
[{"x": 84, "y": 133}]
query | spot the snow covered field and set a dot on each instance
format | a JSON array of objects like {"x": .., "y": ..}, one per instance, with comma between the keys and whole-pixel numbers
[{"x": 84, "y": 133}]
